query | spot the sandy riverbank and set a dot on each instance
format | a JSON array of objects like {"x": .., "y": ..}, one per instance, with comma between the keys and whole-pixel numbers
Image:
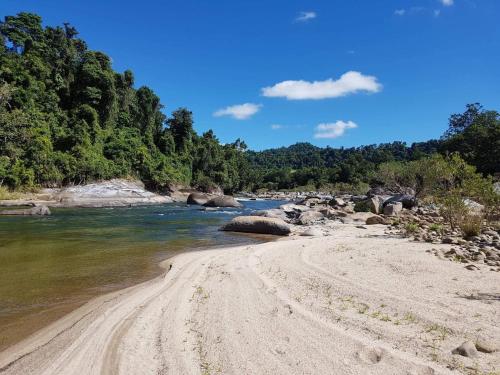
[{"x": 355, "y": 302}]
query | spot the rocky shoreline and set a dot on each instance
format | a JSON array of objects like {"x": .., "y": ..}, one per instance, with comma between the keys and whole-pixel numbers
[
  {"x": 112, "y": 193},
  {"x": 401, "y": 213}
]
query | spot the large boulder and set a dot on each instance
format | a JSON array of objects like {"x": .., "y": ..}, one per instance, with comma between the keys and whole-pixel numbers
[
  {"x": 35, "y": 211},
  {"x": 257, "y": 224},
  {"x": 273, "y": 213},
  {"x": 337, "y": 202},
  {"x": 393, "y": 209},
  {"x": 199, "y": 198},
  {"x": 386, "y": 190},
  {"x": 310, "y": 217},
  {"x": 222, "y": 201},
  {"x": 376, "y": 203},
  {"x": 408, "y": 201}
]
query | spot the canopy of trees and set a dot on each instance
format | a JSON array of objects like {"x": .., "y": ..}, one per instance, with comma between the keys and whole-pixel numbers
[{"x": 67, "y": 117}]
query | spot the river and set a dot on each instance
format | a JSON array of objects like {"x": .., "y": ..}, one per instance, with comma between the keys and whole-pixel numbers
[{"x": 52, "y": 265}]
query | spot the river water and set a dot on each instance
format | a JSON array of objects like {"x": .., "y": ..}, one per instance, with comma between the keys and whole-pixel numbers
[{"x": 52, "y": 265}]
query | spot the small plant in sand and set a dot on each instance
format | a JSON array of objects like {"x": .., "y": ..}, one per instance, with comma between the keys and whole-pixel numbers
[
  {"x": 363, "y": 308},
  {"x": 410, "y": 317},
  {"x": 439, "y": 331},
  {"x": 411, "y": 228},
  {"x": 437, "y": 228}
]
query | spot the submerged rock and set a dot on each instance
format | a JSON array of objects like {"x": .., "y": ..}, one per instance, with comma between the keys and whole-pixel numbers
[
  {"x": 257, "y": 224},
  {"x": 35, "y": 211}
]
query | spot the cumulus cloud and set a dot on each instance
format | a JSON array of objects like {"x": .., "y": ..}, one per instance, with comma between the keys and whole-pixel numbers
[
  {"x": 333, "y": 130},
  {"x": 349, "y": 83},
  {"x": 447, "y": 3},
  {"x": 239, "y": 111},
  {"x": 306, "y": 16},
  {"x": 400, "y": 12}
]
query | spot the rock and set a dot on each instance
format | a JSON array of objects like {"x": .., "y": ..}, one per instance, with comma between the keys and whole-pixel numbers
[
  {"x": 110, "y": 193},
  {"x": 312, "y": 232},
  {"x": 473, "y": 206},
  {"x": 199, "y": 198},
  {"x": 471, "y": 267},
  {"x": 309, "y": 217},
  {"x": 337, "y": 202},
  {"x": 294, "y": 208},
  {"x": 467, "y": 349},
  {"x": 273, "y": 213},
  {"x": 35, "y": 211},
  {"x": 449, "y": 240},
  {"x": 376, "y": 204},
  {"x": 223, "y": 201},
  {"x": 257, "y": 224},
  {"x": 375, "y": 220},
  {"x": 382, "y": 190},
  {"x": 358, "y": 198},
  {"x": 486, "y": 346},
  {"x": 393, "y": 209},
  {"x": 408, "y": 201}
]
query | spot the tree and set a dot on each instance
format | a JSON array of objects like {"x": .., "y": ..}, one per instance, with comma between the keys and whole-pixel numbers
[{"x": 475, "y": 135}]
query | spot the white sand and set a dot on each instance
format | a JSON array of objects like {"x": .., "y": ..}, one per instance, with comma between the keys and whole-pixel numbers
[{"x": 356, "y": 302}]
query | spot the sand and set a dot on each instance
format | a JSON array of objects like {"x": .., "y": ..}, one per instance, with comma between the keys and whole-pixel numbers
[{"x": 355, "y": 302}]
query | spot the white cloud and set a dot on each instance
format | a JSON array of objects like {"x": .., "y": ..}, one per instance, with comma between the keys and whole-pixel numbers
[
  {"x": 447, "y": 3},
  {"x": 437, "y": 12},
  {"x": 306, "y": 16},
  {"x": 333, "y": 130},
  {"x": 349, "y": 83},
  {"x": 277, "y": 126},
  {"x": 240, "y": 111},
  {"x": 400, "y": 12}
]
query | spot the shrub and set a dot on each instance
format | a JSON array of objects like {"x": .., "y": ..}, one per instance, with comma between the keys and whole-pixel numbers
[
  {"x": 362, "y": 206},
  {"x": 411, "y": 228},
  {"x": 471, "y": 225},
  {"x": 6, "y": 194},
  {"x": 453, "y": 209},
  {"x": 438, "y": 228}
]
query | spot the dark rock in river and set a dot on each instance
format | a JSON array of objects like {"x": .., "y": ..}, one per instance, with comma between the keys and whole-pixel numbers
[
  {"x": 199, "y": 198},
  {"x": 223, "y": 201},
  {"x": 257, "y": 224}
]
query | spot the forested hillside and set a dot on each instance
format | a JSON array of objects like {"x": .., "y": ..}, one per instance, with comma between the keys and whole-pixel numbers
[{"x": 66, "y": 117}]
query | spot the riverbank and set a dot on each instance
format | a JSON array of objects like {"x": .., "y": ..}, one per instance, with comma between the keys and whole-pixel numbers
[{"x": 357, "y": 301}]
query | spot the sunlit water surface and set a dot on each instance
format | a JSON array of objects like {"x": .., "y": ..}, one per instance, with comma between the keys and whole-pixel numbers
[{"x": 51, "y": 265}]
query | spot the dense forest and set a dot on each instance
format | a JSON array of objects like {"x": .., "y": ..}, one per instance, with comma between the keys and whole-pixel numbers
[{"x": 66, "y": 117}]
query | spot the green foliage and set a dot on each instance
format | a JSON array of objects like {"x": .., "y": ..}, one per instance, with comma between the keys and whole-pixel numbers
[
  {"x": 362, "y": 206},
  {"x": 67, "y": 117},
  {"x": 475, "y": 134},
  {"x": 411, "y": 228},
  {"x": 303, "y": 166}
]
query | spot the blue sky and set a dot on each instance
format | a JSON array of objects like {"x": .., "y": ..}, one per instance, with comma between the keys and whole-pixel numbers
[{"x": 383, "y": 70}]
